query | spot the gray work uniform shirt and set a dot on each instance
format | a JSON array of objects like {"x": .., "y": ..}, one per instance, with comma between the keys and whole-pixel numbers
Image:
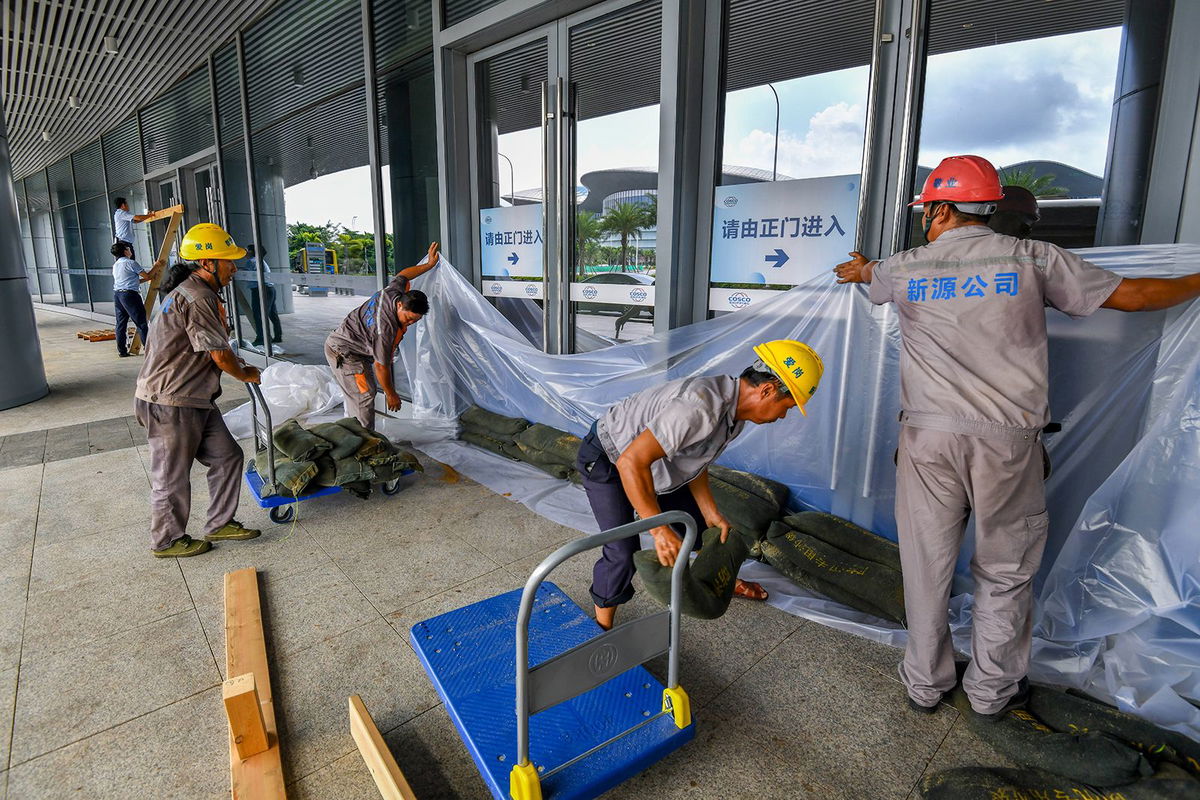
[
  {"x": 179, "y": 370},
  {"x": 372, "y": 332},
  {"x": 973, "y": 355},
  {"x": 692, "y": 418},
  {"x": 126, "y": 275},
  {"x": 123, "y": 224}
]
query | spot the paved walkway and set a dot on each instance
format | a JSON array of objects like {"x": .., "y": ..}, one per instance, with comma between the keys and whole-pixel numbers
[{"x": 111, "y": 661}]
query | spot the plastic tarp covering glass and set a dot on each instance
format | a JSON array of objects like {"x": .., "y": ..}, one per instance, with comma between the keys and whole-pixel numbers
[{"x": 1119, "y": 609}]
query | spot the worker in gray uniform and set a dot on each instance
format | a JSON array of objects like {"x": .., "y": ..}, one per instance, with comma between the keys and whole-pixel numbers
[
  {"x": 361, "y": 350},
  {"x": 650, "y": 453},
  {"x": 973, "y": 377},
  {"x": 176, "y": 400}
]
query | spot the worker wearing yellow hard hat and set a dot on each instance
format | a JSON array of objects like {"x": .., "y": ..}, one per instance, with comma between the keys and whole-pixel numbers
[
  {"x": 186, "y": 352},
  {"x": 650, "y": 453}
]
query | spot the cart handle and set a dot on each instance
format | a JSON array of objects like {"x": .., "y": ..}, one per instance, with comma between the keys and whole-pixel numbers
[
  {"x": 262, "y": 428},
  {"x": 621, "y": 634}
]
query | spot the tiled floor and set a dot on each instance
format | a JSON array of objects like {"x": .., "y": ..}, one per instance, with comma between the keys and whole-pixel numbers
[{"x": 111, "y": 661}]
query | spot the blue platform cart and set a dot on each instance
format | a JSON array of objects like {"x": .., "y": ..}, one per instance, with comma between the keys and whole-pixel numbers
[
  {"x": 281, "y": 508},
  {"x": 588, "y": 715}
]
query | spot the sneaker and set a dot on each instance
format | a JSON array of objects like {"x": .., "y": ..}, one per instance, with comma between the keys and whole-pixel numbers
[
  {"x": 182, "y": 547},
  {"x": 920, "y": 709},
  {"x": 123, "y": 355},
  {"x": 1017, "y": 701},
  {"x": 232, "y": 530}
]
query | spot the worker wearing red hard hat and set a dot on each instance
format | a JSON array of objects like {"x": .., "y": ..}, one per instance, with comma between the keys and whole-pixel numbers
[{"x": 974, "y": 397}]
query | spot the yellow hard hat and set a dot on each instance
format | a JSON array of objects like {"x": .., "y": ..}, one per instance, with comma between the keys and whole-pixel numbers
[
  {"x": 207, "y": 240},
  {"x": 796, "y": 364}
]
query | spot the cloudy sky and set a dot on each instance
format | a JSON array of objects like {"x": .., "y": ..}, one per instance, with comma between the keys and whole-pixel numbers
[{"x": 1047, "y": 99}]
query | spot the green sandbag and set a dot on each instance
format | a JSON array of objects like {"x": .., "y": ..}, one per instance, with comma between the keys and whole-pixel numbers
[
  {"x": 1094, "y": 758},
  {"x": 345, "y": 444},
  {"x": 291, "y": 477},
  {"x": 326, "y": 472},
  {"x": 846, "y": 536},
  {"x": 351, "y": 470},
  {"x": 480, "y": 420},
  {"x": 1064, "y": 711},
  {"x": 297, "y": 443},
  {"x": 555, "y": 446},
  {"x": 395, "y": 466},
  {"x": 990, "y": 783},
  {"x": 774, "y": 555},
  {"x": 747, "y": 512},
  {"x": 360, "y": 489},
  {"x": 372, "y": 442},
  {"x": 880, "y": 587},
  {"x": 506, "y": 449},
  {"x": 772, "y": 492},
  {"x": 707, "y": 581}
]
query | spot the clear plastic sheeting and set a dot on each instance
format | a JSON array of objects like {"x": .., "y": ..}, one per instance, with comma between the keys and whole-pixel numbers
[
  {"x": 1120, "y": 586},
  {"x": 291, "y": 390}
]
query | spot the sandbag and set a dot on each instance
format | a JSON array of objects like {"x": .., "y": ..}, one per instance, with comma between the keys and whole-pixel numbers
[
  {"x": 297, "y": 443},
  {"x": 326, "y": 473},
  {"x": 554, "y": 446},
  {"x": 344, "y": 443},
  {"x": 707, "y": 581},
  {"x": 846, "y": 536},
  {"x": 372, "y": 443},
  {"x": 291, "y": 477},
  {"x": 807, "y": 579},
  {"x": 991, "y": 783},
  {"x": 500, "y": 448},
  {"x": 749, "y": 513},
  {"x": 878, "y": 586},
  {"x": 360, "y": 489},
  {"x": 1064, "y": 711},
  {"x": 480, "y": 420},
  {"x": 396, "y": 466},
  {"x": 1092, "y": 758},
  {"x": 351, "y": 470},
  {"x": 769, "y": 491}
]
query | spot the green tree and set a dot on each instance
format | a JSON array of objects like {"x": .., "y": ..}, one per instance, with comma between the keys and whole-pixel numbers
[
  {"x": 589, "y": 230},
  {"x": 1027, "y": 178},
  {"x": 625, "y": 220}
]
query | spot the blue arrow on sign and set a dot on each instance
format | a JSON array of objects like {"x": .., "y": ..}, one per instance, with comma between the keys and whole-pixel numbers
[
  {"x": 778, "y": 259},
  {"x": 512, "y": 259}
]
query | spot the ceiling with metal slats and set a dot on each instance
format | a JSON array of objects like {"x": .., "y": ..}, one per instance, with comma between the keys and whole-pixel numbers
[{"x": 54, "y": 50}]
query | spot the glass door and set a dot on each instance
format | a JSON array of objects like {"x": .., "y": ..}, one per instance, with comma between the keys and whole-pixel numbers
[{"x": 164, "y": 194}]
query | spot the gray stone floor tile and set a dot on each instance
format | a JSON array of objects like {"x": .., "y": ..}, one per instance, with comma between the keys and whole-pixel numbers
[
  {"x": 395, "y": 569},
  {"x": 136, "y": 432},
  {"x": 491, "y": 584},
  {"x": 70, "y": 441},
  {"x": 300, "y": 609},
  {"x": 962, "y": 748},
  {"x": 506, "y": 531},
  {"x": 101, "y": 492},
  {"x": 108, "y": 434},
  {"x": 345, "y": 779},
  {"x": 314, "y": 684},
  {"x": 177, "y": 751},
  {"x": 8, "y": 698},
  {"x": 20, "y": 495},
  {"x": 65, "y": 697},
  {"x": 21, "y": 456},
  {"x": 278, "y": 553},
  {"x": 14, "y": 587},
  {"x": 434, "y": 759}
]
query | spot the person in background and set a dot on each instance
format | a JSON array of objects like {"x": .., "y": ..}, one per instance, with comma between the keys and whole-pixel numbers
[
  {"x": 1016, "y": 213},
  {"x": 247, "y": 275},
  {"x": 974, "y": 394},
  {"x": 176, "y": 395},
  {"x": 127, "y": 276},
  {"x": 123, "y": 220},
  {"x": 361, "y": 350},
  {"x": 650, "y": 453}
]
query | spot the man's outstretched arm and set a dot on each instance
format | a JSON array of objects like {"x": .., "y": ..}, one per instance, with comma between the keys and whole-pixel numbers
[
  {"x": 420, "y": 269},
  {"x": 1153, "y": 294}
]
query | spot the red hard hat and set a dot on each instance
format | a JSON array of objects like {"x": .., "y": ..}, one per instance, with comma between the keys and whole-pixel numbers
[{"x": 962, "y": 179}]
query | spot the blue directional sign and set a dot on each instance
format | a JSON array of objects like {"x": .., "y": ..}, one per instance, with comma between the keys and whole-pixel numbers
[
  {"x": 783, "y": 232},
  {"x": 513, "y": 258},
  {"x": 511, "y": 240}
]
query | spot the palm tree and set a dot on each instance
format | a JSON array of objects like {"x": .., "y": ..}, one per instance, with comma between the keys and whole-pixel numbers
[
  {"x": 588, "y": 230},
  {"x": 1027, "y": 178},
  {"x": 625, "y": 220}
]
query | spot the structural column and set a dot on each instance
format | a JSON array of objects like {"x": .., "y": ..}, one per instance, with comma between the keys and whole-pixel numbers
[{"x": 21, "y": 357}]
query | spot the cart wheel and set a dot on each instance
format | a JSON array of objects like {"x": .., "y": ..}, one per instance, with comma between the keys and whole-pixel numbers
[
  {"x": 282, "y": 514},
  {"x": 391, "y": 487}
]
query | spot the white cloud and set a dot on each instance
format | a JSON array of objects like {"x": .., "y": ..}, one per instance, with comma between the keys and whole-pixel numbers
[{"x": 832, "y": 145}]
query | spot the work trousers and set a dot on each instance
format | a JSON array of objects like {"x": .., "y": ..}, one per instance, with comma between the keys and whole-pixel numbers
[
  {"x": 130, "y": 308},
  {"x": 272, "y": 315},
  {"x": 357, "y": 379},
  {"x": 612, "y": 576},
  {"x": 177, "y": 436},
  {"x": 941, "y": 477}
]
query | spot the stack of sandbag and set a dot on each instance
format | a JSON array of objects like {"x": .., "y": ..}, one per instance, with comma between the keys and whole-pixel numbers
[
  {"x": 990, "y": 783},
  {"x": 707, "y": 581},
  {"x": 491, "y": 431},
  {"x": 750, "y": 502},
  {"x": 834, "y": 557},
  {"x": 341, "y": 453},
  {"x": 550, "y": 450}
]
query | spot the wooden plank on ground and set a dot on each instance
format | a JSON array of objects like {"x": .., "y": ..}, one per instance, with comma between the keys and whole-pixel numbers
[
  {"x": 156, "y": 276},
  {"x": 259, "y": 777},
  {"x": 384, "y": 769}
]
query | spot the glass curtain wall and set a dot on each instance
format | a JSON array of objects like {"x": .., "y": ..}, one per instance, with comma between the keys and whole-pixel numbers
[
  {"x": 67, "y": 234},
  {"x": 1030, "y": 87},
  {"x": 27, "y": 240},
  {"x": 41, "y": 224},
  {"x": 795, "y": 110},
  {"x": 96, "y": 225}
]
